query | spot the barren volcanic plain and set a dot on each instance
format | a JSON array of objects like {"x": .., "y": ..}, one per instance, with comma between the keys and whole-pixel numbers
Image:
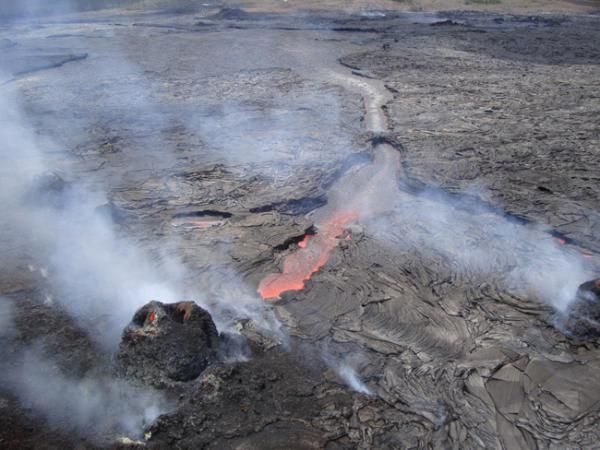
[{"x": 385, "y": 214}]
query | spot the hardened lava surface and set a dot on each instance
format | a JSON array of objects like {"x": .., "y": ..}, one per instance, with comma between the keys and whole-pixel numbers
[{"x": 219, "y": 137}]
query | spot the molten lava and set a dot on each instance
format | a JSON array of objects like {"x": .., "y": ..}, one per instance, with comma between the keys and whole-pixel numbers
[
  {"x": 312, "y": 254},
  {"x": 560, "y": 240}
]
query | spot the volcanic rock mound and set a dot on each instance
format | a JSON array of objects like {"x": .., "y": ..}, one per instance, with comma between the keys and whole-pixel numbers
[
  {"x": 583, "y": 320},
  {"x": 168, "y": 343}
]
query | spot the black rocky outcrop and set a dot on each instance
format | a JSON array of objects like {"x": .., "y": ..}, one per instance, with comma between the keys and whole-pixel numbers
[
  {"x": 583, "y": 319},
  {"x": 168, "y": 343}
]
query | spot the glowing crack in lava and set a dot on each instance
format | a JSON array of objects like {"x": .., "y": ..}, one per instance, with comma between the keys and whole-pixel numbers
[
  {"x": 312, "y": 254},
  {"x": 368, "y": 190}
]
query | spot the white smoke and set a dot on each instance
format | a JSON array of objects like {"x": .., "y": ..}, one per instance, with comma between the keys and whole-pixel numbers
[
  {"x": 346, "y": 365},
  {"x": 273, "y": 138},
  {"x": 96, "y": 272},
  {"x": 99, "y": 407},
  {"x": 349, "y": 375},
  {"x": 7, "y": 316},
  {"x": 476, "y": 240},
  {"x": 228, "y": 300},
  {"x": 99, "y": 276},
  {"x": 480, "y": 243}
]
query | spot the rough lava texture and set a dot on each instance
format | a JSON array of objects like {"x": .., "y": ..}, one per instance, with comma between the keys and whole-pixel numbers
[{"x": 283, "y": 400}]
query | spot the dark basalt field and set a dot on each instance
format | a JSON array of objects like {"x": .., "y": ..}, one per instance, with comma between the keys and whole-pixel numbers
[{"x": 415, "y": 195}]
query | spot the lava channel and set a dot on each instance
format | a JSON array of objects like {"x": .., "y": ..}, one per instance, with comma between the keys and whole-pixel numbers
[{"x": 312, "y": 254}]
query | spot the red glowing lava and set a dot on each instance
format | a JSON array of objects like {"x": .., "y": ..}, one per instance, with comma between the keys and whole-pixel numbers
[
  {"x": 312, "y": 254},
  {"x": 560, "y": 240}
]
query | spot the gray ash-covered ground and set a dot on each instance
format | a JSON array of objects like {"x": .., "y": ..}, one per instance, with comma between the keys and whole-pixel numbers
[{"x": 219, "y": 139}]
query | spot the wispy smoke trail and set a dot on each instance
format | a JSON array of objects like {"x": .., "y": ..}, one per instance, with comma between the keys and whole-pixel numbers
[
  {"x": 99, "y": 407},
  {"x": 98, "y": 275},
  {"x": 481, "y": 242},
  {"x": 349, "y": 375}
]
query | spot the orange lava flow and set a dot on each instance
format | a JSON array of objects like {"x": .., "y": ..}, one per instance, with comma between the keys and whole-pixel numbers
[{"x": 312, "y": 254}]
